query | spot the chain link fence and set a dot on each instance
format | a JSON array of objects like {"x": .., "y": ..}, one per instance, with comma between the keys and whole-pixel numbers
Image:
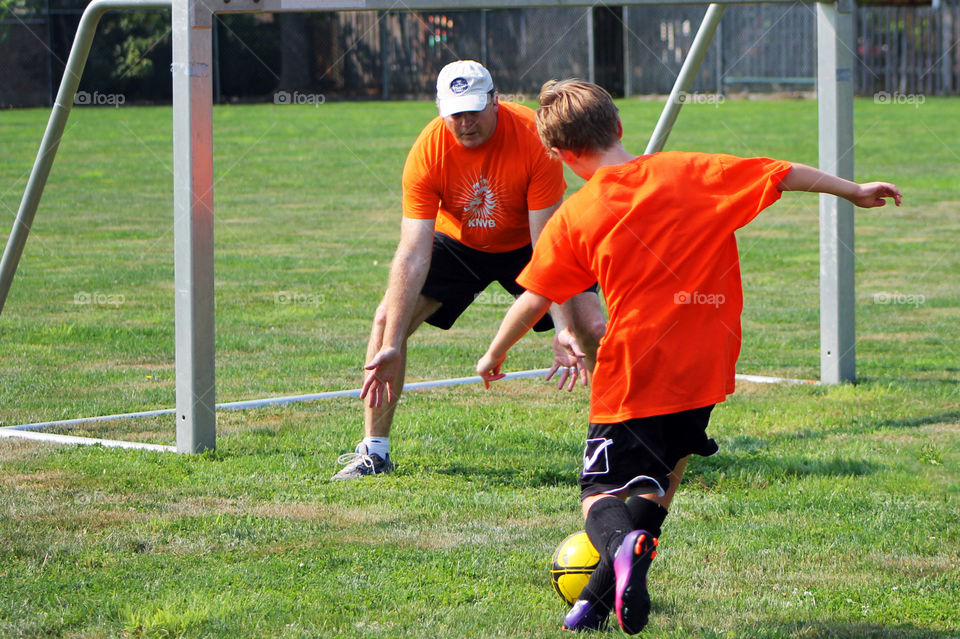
[{"x": 393, "y": 55}]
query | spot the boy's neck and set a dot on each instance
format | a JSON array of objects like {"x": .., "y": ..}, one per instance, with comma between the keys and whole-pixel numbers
[{"x": 586, "y": 164}]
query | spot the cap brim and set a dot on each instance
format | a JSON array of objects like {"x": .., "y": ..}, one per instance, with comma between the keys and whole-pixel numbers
[{"x": 461, "y": 103}]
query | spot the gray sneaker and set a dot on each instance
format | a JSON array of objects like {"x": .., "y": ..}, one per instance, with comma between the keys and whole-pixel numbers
[{"x": 361, "y": 463}]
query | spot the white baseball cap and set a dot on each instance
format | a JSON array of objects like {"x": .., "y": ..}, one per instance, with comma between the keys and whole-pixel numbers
[{"x": 463, "y": 86}]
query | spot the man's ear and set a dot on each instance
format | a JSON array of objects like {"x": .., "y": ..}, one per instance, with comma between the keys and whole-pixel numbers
[{"x": 619, "y": 129}]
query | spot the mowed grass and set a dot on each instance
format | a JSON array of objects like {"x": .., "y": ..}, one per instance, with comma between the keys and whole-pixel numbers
[{"x": 829, "y": 512}]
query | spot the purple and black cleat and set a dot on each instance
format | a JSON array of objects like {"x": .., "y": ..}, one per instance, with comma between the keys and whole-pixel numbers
[
  {"x": 585, "y": 615},
  {"x": 631, "y": 600}
]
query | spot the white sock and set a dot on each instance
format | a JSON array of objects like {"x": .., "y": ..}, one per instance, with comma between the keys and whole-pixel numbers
[{"x": 377, "y": 446}]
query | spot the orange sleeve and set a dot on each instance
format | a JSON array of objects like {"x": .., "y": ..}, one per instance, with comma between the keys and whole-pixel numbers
[
  {"x": 421, "y": 190},
  {"x": 750, "y": 185},
  {"x": 555, "y": 270},
  {"x": 547, "y": 185}
]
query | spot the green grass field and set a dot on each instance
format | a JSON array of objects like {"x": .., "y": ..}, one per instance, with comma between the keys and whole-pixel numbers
[{"x": 829, "y": 512}]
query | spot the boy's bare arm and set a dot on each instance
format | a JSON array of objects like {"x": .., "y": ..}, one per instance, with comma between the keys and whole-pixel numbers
[
  {"x": 520, "y": 318},
  {"x": 867, "y": 195}
]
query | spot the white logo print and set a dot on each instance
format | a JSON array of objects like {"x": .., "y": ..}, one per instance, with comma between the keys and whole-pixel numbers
[
  {"x": 480, "y": 203},
  {"x": 595, "y": 461}
]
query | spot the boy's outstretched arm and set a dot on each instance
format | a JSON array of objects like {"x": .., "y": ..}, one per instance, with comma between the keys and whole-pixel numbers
[
  {"x": 520, "y": 318},
  {"x": 867, "y": 195}
]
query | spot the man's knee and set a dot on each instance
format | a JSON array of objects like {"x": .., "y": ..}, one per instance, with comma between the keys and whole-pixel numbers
[
  {"x": 380, "y": 317},
  {"x": 587, "y": 320},
  {"x": 589, "y": 331},
  {"x": 595, "y": 330}
]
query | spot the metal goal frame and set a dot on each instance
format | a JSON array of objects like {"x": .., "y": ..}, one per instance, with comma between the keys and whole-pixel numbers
[{"x": 192, "y": 75}]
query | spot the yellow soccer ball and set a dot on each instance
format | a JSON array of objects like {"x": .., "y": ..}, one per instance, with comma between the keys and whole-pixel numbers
[{"x": 573, "y": 562}]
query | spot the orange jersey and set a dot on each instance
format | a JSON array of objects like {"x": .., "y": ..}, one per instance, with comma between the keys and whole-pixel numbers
[
  {"x": 657, "y": 233},
  {"x": 482, "y": 196}
]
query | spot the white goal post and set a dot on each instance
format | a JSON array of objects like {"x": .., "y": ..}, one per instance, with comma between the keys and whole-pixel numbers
[{"x": 192, "y": 74}]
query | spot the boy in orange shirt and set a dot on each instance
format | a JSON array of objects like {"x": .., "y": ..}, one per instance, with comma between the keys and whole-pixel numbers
[{"x": 657, "y": 233}]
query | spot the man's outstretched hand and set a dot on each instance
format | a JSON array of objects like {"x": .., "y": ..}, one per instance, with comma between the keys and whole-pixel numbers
[
  {"x": 382, "y": 372},
  {"x": 568, "y": 358}
]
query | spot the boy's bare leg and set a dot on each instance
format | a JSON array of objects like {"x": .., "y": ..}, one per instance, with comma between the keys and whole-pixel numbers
[
  {"x": 675, "y": 476},
  {"x": 615, "y": 524}
]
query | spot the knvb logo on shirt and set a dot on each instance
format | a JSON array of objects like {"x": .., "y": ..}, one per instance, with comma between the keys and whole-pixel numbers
[{"x": 480, "y": 204}]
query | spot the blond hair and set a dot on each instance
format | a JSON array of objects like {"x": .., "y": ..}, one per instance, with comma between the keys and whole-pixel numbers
[{"x": 577, "y": 116}]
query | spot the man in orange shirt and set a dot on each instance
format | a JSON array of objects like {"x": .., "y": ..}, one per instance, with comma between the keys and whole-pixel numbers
[
  {"x": 477, "y": 189},
  {"x": 657, "y": 233}
]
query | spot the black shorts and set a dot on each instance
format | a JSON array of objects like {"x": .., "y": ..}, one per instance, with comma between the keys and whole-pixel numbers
[
  {"x": 641, "y": 453},
  {"x": 458, "y": 274}
]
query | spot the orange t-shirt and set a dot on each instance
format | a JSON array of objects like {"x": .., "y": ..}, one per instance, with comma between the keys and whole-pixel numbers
[
  {"x": 482, "y": 196},
  {"x": 658, "y": 234}
]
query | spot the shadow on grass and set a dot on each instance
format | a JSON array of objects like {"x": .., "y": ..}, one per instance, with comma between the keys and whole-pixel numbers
[
  {"x": 794, "y": 629},
  {"x": 838, "y": 630},
  {"x": 566, "y": 475},
  {"x": 743, "y": 458},
  {"x": 763, "y": 467},
  {"x": 854, "y": 427},
  {"x": 940, "y": 418}
]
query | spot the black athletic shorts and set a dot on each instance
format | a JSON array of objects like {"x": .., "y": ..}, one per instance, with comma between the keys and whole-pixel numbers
[
  {"x": 640, "y": 453},
  {"x": 458, "y": 274}
]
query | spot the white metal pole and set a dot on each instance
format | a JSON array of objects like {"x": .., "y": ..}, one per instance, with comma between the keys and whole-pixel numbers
[
  {"x": 835, "y": 103},
  {"x": 591, "y": 47},
  {"x": 54, "y": 131},
  {"x": 688, "y": 72},
  {"x": 193, "y": 224},
  {"x": 627, "y": 62},
  {"x": 312, "y": 397}
]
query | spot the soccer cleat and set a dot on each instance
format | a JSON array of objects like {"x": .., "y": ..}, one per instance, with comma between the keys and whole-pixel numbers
[
  {"x": 585, "y": 616},
  {"x": 631, "y": 600},
  {"x": 362, "y": 463}
]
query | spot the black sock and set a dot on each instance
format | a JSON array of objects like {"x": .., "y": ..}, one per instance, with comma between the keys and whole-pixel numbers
[
  {"x": 646, "y": 514},
  {"x": 608, "y": 522},
  {"x": 600, "y": 589}
]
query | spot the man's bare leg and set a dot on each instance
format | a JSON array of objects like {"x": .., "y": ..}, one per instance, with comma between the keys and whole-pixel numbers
[
  {"x": 378, "y": 420},
  {"x": 575, "y": 347},
  {"x": 373, "y": 456},
  {"x": 588, "y": 324}
]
